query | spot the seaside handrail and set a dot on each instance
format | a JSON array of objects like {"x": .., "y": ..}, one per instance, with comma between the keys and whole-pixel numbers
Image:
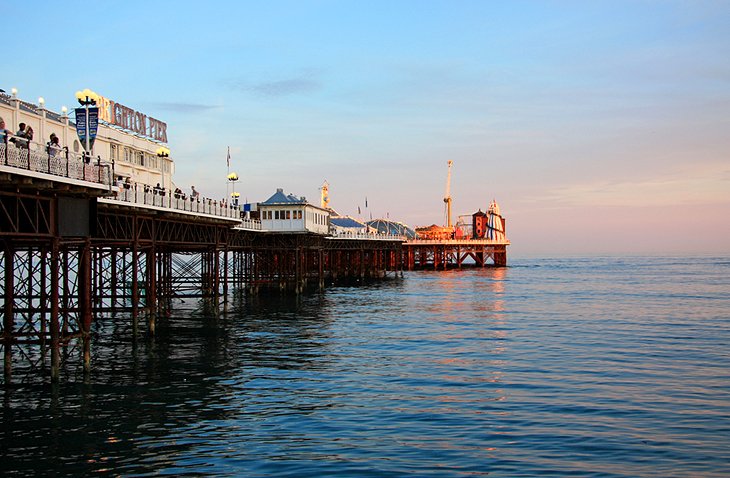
[
  {"x": 370, "y": 236},
  {"x": 462, "y": 240},
  {"x": 250, "y": 224},
  {"x": 18, "y": 152},
  {"x": 144, "y": 194}
]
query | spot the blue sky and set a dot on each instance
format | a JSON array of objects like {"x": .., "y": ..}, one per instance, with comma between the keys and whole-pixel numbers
[{"x": 600, "y": 127}]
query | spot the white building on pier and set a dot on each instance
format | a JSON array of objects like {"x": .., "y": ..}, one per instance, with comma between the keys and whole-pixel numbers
[{"x": 289, "y": 213}]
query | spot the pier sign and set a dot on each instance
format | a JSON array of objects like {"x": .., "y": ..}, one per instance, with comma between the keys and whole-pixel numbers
[{"x": 129, "y": 119}]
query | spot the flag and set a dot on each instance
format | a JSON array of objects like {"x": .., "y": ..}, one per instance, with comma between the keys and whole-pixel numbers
[
  {"x": 366, "y": 201},
  {"x": 228, "y": 157}
]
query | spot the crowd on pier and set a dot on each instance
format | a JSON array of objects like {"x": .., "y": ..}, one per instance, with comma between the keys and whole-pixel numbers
[
  {"x": 126, "y": 184},
  {"x": 23, "y": 139}
]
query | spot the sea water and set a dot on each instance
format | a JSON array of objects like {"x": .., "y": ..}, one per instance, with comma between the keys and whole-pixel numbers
[{"x": 614, "y": 367}]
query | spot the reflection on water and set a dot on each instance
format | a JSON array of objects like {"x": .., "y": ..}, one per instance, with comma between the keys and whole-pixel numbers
[{"x": 572, "y": 367}]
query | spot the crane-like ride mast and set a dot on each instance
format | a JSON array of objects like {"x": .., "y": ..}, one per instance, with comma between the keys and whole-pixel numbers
[{"x": 447, "y": 196}]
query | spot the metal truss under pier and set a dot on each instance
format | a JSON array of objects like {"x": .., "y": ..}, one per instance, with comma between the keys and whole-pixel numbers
[
  {"x": 68, "y": 262},
  {"x": 454, "y": 253}
]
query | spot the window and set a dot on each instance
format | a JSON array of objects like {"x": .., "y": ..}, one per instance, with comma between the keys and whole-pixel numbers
[
  {"x": 276, "y": 214},
  {"x": 288, "y": 214}
]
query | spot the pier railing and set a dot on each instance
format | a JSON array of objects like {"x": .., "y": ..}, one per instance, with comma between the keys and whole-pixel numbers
[
  {"x": 465, "y": 240},
  {"x": 254, "y": 224},
  {"x": 371, "y": 237},
  {"x": 30, "y": 156},
  {"x": 145, "y": 195}
]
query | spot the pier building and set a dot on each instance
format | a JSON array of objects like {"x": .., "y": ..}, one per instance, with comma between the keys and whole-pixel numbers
[
  {"x": 479, "y": 242},
  {"x": 135, "y": 153},
  {"x": 289, "y": 213}
]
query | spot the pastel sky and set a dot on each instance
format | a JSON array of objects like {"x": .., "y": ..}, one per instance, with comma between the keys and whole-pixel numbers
[{"x": 599, "y": 127}]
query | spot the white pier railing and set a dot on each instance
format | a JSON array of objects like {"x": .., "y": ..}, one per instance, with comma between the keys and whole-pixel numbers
[
  {"x": 30, "y": 156},
  {"x": 465, "y": 241},
  {"x": 369, "y": 237},
  {"x": 144, "y": 195},
  {"x": 251, "y": 224}
]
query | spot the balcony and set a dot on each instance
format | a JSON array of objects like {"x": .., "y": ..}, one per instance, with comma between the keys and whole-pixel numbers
[
  {"x": 157, "y": 198},
  {"x": 61, "y": 165},
  {"x": 34, "y": 159}
]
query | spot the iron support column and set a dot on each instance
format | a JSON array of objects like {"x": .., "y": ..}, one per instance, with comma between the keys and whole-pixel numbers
[
  {"x": 85, "y": 280},
  {"x": 151, "y": 289},
  {"x": 55, "y": 322},
  {"x": 8, "y": 321}
]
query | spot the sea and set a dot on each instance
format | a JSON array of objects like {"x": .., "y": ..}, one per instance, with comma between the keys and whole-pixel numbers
[{"x": 595, "y": 367}]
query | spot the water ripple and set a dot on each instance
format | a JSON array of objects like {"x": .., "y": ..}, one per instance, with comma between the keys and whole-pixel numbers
[{"x": 567, "y": 367}]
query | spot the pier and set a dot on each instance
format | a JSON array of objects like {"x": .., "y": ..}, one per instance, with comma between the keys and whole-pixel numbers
[
  {"x": 73, "y": 253},
  {"x": 86, "y": 238},
  {"x": 78, "y": 247},
  {"x": 441, "y": 254}
]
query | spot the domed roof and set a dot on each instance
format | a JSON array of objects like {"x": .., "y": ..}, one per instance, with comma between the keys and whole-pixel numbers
[
  {"x": 385, "y": 226},
  {"x": 346, "y": 221}
]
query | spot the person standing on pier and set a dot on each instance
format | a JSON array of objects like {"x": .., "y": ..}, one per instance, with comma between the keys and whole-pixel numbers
[
  {"x": 4, "y": 133},
  {"x": 20, "y": 138},
  {"x": 53, "y": 146}
]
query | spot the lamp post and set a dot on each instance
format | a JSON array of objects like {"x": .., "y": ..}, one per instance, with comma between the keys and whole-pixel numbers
[
  {"x": 15, "y": 102},
  {"x": 42, "y": 107},
  {"x": 64, "y": 116},
  {"x": 232, "y": 178},
  {"x": 87, "y": 98},
  {"x": 163, "y": 153}
]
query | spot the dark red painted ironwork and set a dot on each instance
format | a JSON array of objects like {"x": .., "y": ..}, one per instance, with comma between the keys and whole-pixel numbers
[{"x": 134, "y": 262}]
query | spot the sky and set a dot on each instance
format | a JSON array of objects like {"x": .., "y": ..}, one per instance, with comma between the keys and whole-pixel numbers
[{"x": 599, "y": 127}]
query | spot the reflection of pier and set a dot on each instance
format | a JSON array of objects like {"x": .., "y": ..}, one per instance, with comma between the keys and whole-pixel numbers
[{"x": 454, "y": 253}]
